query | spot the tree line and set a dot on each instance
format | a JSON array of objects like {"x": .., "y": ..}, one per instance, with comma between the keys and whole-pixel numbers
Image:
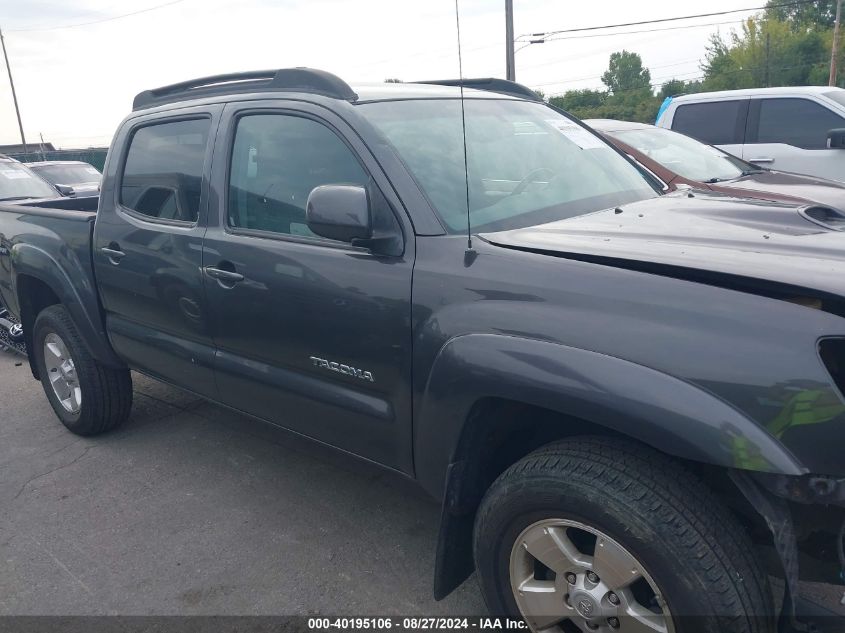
[{"x": 782, "y": 46}]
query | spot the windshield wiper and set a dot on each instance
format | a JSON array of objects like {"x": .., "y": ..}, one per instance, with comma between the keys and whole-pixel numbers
[
  {"x": 751, "y": 172},
  {"x": 713, "y": 181}
]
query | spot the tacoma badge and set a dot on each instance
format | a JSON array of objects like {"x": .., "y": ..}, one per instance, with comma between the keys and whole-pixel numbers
[{"x": 342, "y": 369}]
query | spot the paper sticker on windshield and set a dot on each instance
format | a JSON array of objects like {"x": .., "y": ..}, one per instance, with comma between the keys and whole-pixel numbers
[
  {"x": 14, "y": 174},
  {"x": 575, "y": 133}
]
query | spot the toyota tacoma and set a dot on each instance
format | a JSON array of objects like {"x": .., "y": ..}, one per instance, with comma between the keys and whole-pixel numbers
[{"x": 629, "y": 404}]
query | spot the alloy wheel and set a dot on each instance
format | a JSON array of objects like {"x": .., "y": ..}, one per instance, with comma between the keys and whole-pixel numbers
[
  {"x": 567, "y": 576},
  {"x": 61, "y": 371}
]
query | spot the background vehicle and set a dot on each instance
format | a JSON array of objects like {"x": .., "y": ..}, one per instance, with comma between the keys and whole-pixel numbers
[
  {"x": 677, "y": 159},
  {"x": 11, "y": 333},
  {"x": 795, "y": 129},
  {"x": 71, "y": 178},
  {"x": 19, "y": 183},
  {"x": 613, "y": 392}
]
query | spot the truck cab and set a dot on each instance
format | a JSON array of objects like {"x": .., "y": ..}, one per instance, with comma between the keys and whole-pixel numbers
[{"x": 793, "y": 129}]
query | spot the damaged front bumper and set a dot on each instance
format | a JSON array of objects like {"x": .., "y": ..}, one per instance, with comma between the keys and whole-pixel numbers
[{"x": 806, "y": 516}]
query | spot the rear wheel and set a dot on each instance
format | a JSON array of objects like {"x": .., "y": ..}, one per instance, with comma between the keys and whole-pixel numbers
[
  {"x": 601, "y": 534},
  {"x": 88, "y": 397}
]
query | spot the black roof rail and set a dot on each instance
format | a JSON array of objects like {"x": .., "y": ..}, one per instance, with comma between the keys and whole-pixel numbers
[
  {"x": 490, "y": 84},
  {"x": 286, "y": 79}
]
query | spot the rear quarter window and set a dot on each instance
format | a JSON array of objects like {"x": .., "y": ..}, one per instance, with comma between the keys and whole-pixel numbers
[
  {"x": 162, "y": 175},
  {"x": 714, "y": 123}
]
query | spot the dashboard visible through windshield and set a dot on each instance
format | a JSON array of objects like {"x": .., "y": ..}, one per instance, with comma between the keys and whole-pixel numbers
[
  {"x": 527, "y": 164},
  {"x": 17, "y": 182}
]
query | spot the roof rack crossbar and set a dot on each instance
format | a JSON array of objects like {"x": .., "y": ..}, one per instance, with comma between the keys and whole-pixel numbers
[
  {"x": 490, "y": 84},
  {"x": 286, "y": 79}
]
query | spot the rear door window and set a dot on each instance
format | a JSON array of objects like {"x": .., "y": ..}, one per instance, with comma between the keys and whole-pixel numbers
[
  {"x": 797, "y": 122},
  {"x": 162, "y": 176},
  {"x": 714, "y": 123}
]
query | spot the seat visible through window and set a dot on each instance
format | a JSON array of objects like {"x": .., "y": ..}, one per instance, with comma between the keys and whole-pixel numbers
[{"x": 277, "y": 160}]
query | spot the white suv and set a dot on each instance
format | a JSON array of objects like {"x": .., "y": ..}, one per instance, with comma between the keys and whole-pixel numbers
[{"x": 800, "y": 129}]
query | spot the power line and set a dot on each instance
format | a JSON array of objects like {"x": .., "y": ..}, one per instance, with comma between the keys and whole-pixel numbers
[
  {"x": 682, "y": 17},
  {"x": 100, "y": 21},
  {"x": 668, "y": 28},
  {"x": 597, "y": 51}
]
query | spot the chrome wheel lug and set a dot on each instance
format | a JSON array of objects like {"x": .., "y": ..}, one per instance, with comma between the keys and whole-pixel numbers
[
  {"x": 613, "y": 623},
  {"x": 613, "y": 598},
  {"x": 591, "y": 576},
  {"x": 570, "y": 578}
]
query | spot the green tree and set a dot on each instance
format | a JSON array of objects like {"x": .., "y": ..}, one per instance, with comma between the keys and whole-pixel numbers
[
  {"x": 768, "y": 52},
  {"x": 626, "y": 73},
  {"x": 721, "y": 71},
  {"x": 675, "y": 87},
  {"x": 629, "y": 98},
  {"x": 804, "y": 16},
  {"x": 580, "y": 100}
]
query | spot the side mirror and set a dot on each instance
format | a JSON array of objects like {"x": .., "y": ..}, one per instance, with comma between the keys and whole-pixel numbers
[
  {"x": 339, "y": 212},
  {"x": 66, "y": 190},
  {"x": 836, "y": 139}
]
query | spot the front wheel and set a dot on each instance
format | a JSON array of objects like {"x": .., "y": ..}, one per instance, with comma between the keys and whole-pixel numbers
[
  {"x": 602, "y": 534},
  {"x": 88, "y": 397}
]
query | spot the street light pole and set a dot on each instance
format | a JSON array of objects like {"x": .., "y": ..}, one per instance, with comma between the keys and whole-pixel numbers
[
  {"x": 834, "y": 54},
  {"x": 14, "y": 95},
  {"x": 510, "y": 66}
]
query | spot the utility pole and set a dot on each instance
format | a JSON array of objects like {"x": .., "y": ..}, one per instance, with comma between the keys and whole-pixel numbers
[
  {"x": 768, "y": 39},
  {"x": 835, "y": 49},
  {"x": 14, "y": 96},
  {"x": 510, "y": 67}
]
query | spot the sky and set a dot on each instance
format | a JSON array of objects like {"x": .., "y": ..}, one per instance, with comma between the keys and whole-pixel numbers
[{"x": 76, "y": 75}]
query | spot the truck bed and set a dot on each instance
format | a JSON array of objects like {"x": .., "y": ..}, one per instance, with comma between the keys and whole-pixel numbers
[{"x": 59, "y": 229}]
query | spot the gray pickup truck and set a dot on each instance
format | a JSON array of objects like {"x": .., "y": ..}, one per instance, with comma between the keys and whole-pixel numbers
[{"x": 630, "y": 404}]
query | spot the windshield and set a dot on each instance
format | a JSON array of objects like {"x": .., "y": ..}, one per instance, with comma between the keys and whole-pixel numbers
[
  {"x": 68, "y": 174},
  {"x": 18, "y": 183},
  {"x": 526, "y": 163},
  {"x": 684, "y": 155},
  {"x": 836, "y": 95}
]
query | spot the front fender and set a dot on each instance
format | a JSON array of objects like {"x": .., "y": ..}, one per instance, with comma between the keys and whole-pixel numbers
[
  {"x": 667, "y": 413},
  {"x": 74, "y": 286}
]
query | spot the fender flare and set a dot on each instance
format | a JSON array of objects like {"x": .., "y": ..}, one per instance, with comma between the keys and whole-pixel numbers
[
  {"x": 78, "y": 296},
  {"x": 669, "y": 414}
]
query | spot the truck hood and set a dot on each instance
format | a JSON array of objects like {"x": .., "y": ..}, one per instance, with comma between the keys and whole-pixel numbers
[
  {"x": 802, "y": 189},
  {"x": 698, "y": 236}
]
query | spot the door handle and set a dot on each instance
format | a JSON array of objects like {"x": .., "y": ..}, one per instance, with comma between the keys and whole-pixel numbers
[
  {"x": 761, "y": 160},
  {"x": 114, "y": 254},
  {"x": 225, "y": 276}
]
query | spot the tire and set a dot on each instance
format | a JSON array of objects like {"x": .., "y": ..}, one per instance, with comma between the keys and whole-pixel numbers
[
  {"x": 99, "y": 397},
  {"x": 647, "y": 513}
]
